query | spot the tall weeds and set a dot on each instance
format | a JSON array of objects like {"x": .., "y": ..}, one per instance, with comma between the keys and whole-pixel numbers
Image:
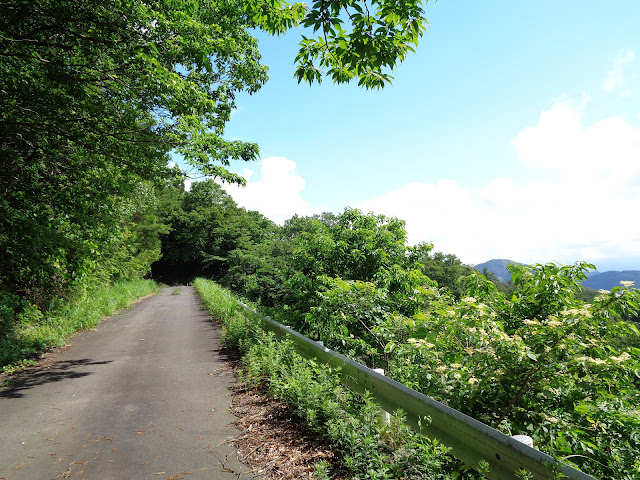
[{"x": 26, "y": 330}]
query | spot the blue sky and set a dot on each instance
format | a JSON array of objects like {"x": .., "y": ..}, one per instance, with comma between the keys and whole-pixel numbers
[{"x": 513, "y": 132}]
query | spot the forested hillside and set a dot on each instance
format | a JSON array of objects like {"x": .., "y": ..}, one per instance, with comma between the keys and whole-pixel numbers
[
  {"x": 608, "y": 280},
  {"x": 498, "y": 270}
]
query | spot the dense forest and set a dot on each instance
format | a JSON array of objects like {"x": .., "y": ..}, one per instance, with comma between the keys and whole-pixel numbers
[{"x": 96, "y": 99}]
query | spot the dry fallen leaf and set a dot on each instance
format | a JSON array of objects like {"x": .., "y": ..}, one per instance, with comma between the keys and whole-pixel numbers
[
  {"x": 272, "y": 441},
  {"x": 66, "y": 474}
]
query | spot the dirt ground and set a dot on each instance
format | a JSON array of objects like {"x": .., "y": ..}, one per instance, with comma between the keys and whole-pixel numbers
[{"x": 272, "y": 441}]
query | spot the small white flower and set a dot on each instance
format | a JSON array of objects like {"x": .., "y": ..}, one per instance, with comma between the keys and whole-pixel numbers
[
  {"x": 575, "y": 312},
  {"x": 622, "y": 358},
  {"x": 627, "y": 283},
  {"x": 595, "y": 361}
]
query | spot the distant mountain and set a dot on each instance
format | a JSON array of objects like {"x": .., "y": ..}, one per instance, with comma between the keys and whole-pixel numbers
[
  {"x": 498, "y": 267},
  {"x": 608, "y": 280},
  {"x": 596, "y": 280}
]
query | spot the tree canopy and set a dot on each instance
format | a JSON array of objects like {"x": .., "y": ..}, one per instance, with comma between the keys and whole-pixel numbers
[
  {"x": 125, "y": 81},
  {"x": 354, "y": 39},
  {"x": 96, "y": 96},
  {"x": 130, "y": 81}
]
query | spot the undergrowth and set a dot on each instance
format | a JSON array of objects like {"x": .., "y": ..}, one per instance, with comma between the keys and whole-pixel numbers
[
  {"x": 369, "y": 449},
  {"x": 26, "y": 331}
]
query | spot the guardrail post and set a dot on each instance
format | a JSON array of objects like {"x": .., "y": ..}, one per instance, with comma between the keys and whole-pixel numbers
[
  {"x": 526, "y": 439},
  {"x": 385, "y": 417}
]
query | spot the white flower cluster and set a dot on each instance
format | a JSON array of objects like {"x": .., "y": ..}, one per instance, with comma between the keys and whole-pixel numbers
[
  {"x": 574, "y": 312},
  {"x": 622, "y": 358},
  {"x": 419, "y": 342}
]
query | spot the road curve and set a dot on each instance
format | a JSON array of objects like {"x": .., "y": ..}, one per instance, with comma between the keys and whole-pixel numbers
[{"x": 143, "y": 396}]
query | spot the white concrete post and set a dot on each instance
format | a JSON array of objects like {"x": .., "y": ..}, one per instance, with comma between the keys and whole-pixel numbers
[
  {"x": 385, "y": 417},
  {"x": 526, "y": 439}
]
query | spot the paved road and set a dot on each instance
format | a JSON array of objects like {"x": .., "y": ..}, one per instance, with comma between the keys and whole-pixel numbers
[{"x": 144, "y": 396}]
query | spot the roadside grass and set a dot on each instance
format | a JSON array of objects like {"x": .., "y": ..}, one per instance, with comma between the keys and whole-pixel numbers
[
  {"x": 31, "y": 332},
  {"x": 368, "y": 448}
]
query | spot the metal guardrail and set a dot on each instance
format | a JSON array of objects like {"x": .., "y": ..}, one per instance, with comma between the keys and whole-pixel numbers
[{"x": 470, "y": 440}]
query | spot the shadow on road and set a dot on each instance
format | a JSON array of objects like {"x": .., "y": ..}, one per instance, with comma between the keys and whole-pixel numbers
[{"x": 39, "y": 376}]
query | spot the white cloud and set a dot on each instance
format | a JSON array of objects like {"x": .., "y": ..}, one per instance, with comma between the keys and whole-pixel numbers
[
  {"x": 616, "y": 78},
  {"x": 583, "y": 207},
  {"x": 276, "y": 193},
  {"x": 561, "y": 144}
]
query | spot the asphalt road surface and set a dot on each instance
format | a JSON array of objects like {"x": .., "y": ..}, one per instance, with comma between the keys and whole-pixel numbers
[{"x": 145, "y": 395}]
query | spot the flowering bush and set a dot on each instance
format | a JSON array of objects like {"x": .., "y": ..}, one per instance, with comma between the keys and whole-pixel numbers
[
  {"x": 539, "y": 363},
  {"x": 536, "y": 360}
]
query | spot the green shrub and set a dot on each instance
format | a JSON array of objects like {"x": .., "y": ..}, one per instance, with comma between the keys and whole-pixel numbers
[{"x": 369, "y": 449}]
